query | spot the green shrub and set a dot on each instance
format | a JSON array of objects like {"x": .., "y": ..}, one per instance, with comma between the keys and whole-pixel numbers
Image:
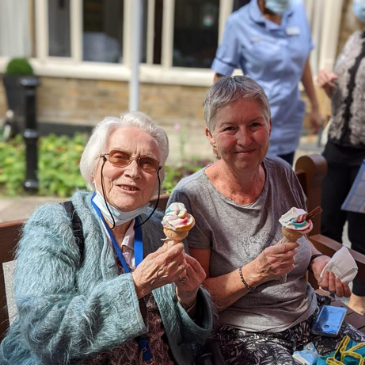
[
  {"x": 58, "y": 166},
  {"x": 19, "y": 67},
  {"x": 173, "y": 174}
]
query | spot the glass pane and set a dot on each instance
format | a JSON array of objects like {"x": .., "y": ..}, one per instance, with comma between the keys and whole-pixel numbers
[
  {"x": 239, "y": 3},
  {"x": 144, "y": 31},
  {"x": 32, "y": 29},
  {"x": 103, "y": 31},
  {"x": 59, "y": 28},
  {"x": 195, "y": 32},
  {"x": 157, "y": 44},
  {"x": 156, "y": 41}
]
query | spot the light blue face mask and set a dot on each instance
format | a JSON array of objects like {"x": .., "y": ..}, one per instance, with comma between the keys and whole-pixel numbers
[
  {"x": 119, "y": 217},
  {"x": 278, "y": 6},
  {"x": 359, "y": 10}
]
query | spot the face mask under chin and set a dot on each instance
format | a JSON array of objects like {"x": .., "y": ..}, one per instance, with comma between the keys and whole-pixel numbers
[
  {"x": 359, "y": 10},
  {"x": 119, "y": 216}
]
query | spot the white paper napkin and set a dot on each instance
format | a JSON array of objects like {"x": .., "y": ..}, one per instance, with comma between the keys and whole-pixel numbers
[{"x": 343, "y": 265}]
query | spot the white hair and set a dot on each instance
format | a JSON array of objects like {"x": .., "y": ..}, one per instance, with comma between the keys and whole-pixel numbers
[{"x": 98, "y": 141}]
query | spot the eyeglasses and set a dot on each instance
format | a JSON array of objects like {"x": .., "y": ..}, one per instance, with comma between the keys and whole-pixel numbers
[{"x": 120, "y": 158}]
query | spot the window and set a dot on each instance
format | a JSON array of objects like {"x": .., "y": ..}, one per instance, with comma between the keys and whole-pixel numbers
[
  {"x": 59, "y": 40},
  {"x": 102, "y": 36},
  {"x": 195, "y": 33},
  {"x": 32, "y": 23},
  {"x": 157, "y": 32},
  {"x": 179, "y": 37}
]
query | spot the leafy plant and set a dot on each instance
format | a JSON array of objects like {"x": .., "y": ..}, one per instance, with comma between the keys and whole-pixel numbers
[
  {"x": 173, "y": 174},
  {"x": 19, "y": 67},
  {"x": 58, "y": 166},
  {"x": 59, "y": 158},
  {"x": 12, "y": 166}
]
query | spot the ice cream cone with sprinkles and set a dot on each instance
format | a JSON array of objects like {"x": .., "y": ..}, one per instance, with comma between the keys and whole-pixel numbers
[
  {"x": 295, "y": 224},
  {"x": 177, "y": 223}
]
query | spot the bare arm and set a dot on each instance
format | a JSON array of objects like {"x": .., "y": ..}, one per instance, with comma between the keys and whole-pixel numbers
[
  {"x": 225, "y": 289},
  {"x": 326, "y": 80},
  {"x": 271, "y": 264},
  {"x": 307, "y": 81}
]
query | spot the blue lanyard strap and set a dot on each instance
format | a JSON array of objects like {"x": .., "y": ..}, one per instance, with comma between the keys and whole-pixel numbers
[
  {"x": 138, "y": 243},
  {"x": 138, "y": 254}
]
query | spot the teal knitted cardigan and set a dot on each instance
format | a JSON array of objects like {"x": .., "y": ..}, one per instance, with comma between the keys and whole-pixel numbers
[{"x": 67, "y": 312}]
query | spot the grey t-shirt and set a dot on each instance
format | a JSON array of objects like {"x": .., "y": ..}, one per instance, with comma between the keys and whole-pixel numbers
[{"x": 237, "y": 234}]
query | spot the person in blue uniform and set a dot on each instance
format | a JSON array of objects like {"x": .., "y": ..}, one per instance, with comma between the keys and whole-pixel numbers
[
  {"x": 270, "y": 41},
  {"x": 345, "y": 149}
]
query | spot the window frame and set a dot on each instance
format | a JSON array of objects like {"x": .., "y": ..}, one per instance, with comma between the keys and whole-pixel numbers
[{"x": 75, "y": 67}]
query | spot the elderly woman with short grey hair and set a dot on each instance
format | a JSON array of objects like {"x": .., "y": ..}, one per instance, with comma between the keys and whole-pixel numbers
[
  {"x": 237, "y": 202},
  {"x": 114, "y": 294}
]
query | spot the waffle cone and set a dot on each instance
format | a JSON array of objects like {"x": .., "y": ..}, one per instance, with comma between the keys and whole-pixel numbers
[
  {"x": 291, "y": 235},
  {"x": 174, "y": 236}
]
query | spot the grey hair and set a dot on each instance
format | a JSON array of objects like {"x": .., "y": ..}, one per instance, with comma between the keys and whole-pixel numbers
[
  {"x": 98, "y": 141},
  {"x": 229, "y": 89}
]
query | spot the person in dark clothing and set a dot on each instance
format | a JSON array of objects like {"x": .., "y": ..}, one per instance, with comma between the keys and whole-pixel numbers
[{"x": 345, "y": 149}]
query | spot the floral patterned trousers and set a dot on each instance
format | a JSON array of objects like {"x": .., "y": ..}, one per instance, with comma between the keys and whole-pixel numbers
[{"x": 265, "y": 348}]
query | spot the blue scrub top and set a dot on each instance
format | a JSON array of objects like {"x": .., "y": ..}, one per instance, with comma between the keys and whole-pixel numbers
[{"x": 274, "y": 56}]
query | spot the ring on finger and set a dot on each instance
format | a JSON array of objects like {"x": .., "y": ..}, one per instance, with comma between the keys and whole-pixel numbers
[{"x": 182, "y": 280}]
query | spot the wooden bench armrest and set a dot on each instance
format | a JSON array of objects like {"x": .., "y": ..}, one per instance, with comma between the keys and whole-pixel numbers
[
  {"x": 162, "y": 203},
  {"x": 310, "y": 170},
  {"x": 9, "y": 236}
]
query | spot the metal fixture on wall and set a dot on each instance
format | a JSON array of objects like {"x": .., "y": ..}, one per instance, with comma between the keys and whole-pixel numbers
[{"x": 30, "y": 133}]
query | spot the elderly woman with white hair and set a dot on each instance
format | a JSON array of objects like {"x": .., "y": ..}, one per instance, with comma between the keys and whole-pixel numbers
[{"x": 124, "y": 297}]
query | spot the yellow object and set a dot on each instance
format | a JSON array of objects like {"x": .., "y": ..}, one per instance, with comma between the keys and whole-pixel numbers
[{"x": 348, "y": 352}]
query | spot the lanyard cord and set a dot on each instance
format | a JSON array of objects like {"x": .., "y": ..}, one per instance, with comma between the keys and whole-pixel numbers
[
  {"x": 138, "y": 249},
  {"x": 138, "y": 244}
]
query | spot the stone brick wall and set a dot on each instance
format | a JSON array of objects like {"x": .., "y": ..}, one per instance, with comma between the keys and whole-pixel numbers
[{"x": 86, "y": 102}]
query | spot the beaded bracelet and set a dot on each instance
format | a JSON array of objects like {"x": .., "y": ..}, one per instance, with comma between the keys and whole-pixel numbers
[{"x": 248, "y": 287}]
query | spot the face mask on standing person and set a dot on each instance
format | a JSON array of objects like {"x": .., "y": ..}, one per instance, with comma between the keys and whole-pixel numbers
[
  {"x": 359, "y": 10},
  {"x": 278, "y": 6}
]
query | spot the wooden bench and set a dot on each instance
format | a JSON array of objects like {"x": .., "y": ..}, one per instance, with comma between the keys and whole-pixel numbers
[{"x": 310, "y": 171}]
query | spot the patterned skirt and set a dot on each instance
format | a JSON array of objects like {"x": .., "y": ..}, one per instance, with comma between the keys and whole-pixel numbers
[{"x": 265, "y": 348}]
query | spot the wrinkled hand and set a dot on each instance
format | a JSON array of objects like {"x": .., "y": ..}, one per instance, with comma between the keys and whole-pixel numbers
[
  {"x": 187, "y": 287},
  {"x": 159, "y": 268},
  {"x": 326, "y": 80},
  {"x": 315, "y": 121},
  {"x": 274, "y": 262},
  {"x": 329, "y": 282}
]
